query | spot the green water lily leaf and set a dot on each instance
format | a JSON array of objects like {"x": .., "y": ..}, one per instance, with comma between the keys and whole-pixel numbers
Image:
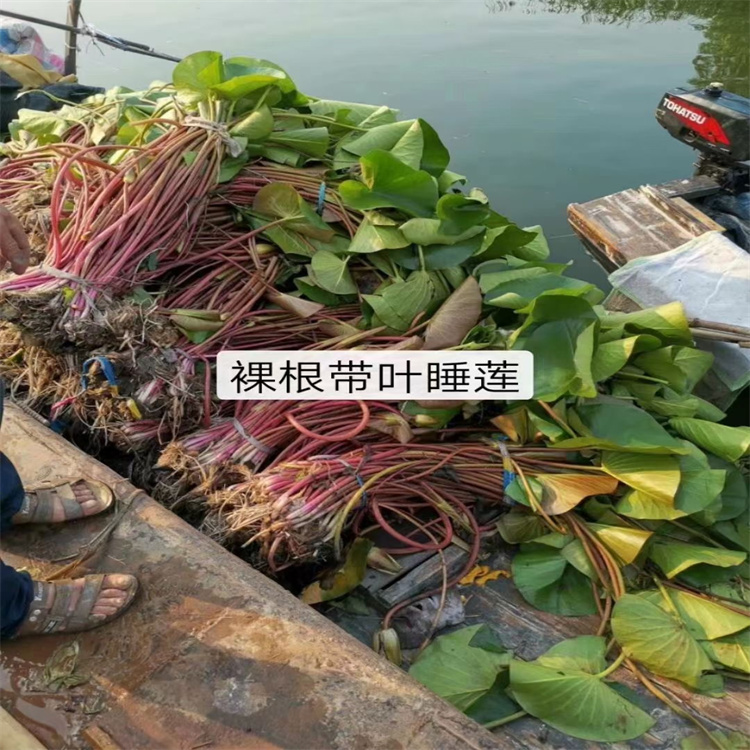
[
  {"x": 344, "y": 579},
  {"x": 518, "y": 293},
  {"x": 487, "y": 639},
  {"x": 400, "y": 302},
  {"x": 735, "y": 495},
  {"x": 563, "y": 492},
  {"x": 729, "y": 443},
  {"x": 199, "y": 72},
  {"x": 455, "y": 670},
  {"x": 455, "y": 317},
  {"x": 674, "y": 557},
  {"x": 699, "y": 486},
  {"x": 280, "y": 200},
  {"x": 448, "y": 179},
  {"x": 244, "y": 75},
  {"x": 582, "y": 654},
  {"x": 578, "y": 704},
  {"x": 536, "y": 248},
  {"x": 724, "y": 740},
  {"x": 331, "y": 272},
  {"x": 654, "y": 475},
  {"x": 458, "y": 213},
  {"x": 389, "y": 183},
  {"x": 256, "y": 126},
  {"x": 732, "y": 652},
  {"x": 576, "y": 555},
  {"x": 311, "y": 142},
  {"x": 611, "y": 356},
  {"x": 494, "y": 273},
  {"x": 659, "y": 640},
  {"x": 372, "y": 237},
  {"x": 560, "y": 331},
  {"x": 500, "y": 241},
  {"x": 436, "y": 257},
  {"x": 414, "y": 142},
  {"x": 621, "y": 427},
  {"x": 309, "y": 288},
  {"x": 519, "y": 526},
  {"x": 231, "y": 167},
  {"x": 433, "y": 232},
  {"x": 667, "y": 322},
  {"x": 681, "y": 366},
  {"x": 495, "y": 704},
  {"x": 353, "y": 112},
  {"x": 626, "y": 543},
  {"x": 705, "y": 620},
  {"x": 548, "y": 582}
]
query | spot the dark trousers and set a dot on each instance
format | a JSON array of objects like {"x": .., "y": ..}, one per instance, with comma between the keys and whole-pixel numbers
[{"x": 16, "y": 591}]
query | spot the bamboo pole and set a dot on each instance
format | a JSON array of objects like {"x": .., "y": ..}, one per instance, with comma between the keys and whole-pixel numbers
[{"x": 74, "y": 11}]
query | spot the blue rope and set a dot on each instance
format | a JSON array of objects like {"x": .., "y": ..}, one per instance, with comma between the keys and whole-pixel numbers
[
  {"x": 360, "y": 482},
  {"x": 107, "y": 368},
  {"x": 321, "y": 199}
]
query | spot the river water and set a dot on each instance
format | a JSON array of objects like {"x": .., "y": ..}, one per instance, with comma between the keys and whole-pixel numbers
[{"x": 541, "y": 102}]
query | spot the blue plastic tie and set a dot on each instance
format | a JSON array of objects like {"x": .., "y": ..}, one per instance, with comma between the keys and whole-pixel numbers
[
  {"x": 360, "y": 482},
  {"x": 107, "y": 368},
  {"x": 508, "y": 478},
  {"x": 321, "y": 199},
  {"x": 57, "y": 426}
]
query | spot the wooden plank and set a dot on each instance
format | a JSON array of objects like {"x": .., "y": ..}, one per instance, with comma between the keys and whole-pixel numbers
[
  {"x": 690, "y": 188},
  {"x": 375, "y": 580},
  {"x": 698, "y": 215},
  {"x": 636, "y": 223},
  {"x": 99, "y": 739},
  {"x": 426, "y": 576}
]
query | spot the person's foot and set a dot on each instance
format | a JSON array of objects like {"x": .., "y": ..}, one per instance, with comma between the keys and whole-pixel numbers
[
  {"x": 78, "y": 604},
  {"x": 65, "y": 502}
]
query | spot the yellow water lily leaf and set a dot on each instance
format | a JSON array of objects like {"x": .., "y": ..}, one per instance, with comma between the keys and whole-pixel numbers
[
  {"x": 624, "y": 542},
  {"x": 563, "y": 492}
]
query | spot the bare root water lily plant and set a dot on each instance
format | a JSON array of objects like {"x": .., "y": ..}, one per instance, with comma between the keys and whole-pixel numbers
[{"x": 228, "y": 210}]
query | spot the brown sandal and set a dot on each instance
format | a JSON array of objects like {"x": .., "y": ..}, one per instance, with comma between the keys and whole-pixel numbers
[
  {"x": 39, "y": 505},
  {"x": 58, "y": 619}
]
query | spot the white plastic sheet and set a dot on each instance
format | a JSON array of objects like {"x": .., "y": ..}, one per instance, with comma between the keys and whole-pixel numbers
[{"x": 710, "y": 275}]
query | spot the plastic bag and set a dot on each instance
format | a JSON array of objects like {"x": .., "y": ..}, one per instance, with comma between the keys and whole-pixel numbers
[{"x": 18, "y": 38}]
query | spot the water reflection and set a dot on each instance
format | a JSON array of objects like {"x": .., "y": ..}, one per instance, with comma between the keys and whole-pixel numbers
[{"x": 724, "y": 54}]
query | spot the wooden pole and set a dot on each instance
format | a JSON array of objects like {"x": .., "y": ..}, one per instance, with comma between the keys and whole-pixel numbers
[{"x": 74, "y": 10}]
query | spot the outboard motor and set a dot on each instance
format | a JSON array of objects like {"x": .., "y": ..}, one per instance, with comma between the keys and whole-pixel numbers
[{"x": 716, "y": 123}]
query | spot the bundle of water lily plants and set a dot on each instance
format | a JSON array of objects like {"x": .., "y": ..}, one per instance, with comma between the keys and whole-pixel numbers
[{"x": 227, "y": 210}]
